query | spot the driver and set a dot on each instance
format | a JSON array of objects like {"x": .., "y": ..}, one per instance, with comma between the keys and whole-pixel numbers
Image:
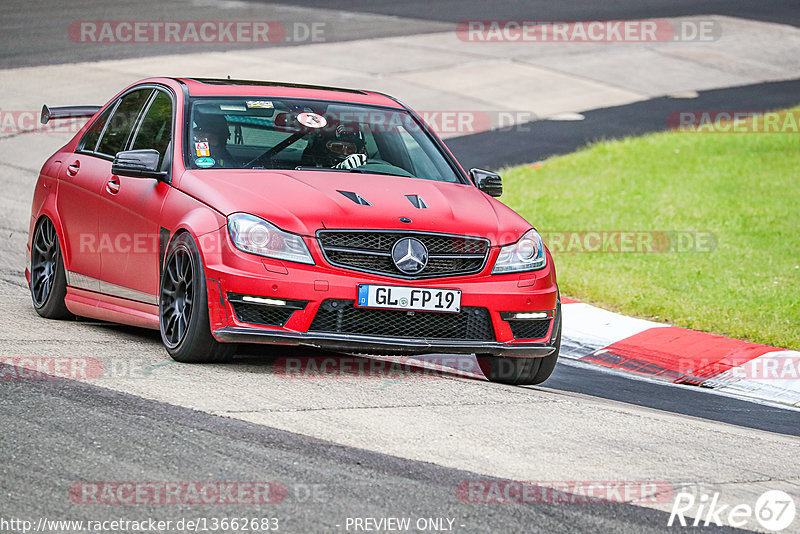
[
  {"x": 346, "y": 148},
  {"x": 213, "y": 129}
]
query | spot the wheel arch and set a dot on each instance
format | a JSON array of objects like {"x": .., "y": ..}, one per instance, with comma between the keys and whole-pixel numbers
[
  {"x": 202, "y": 224},
  {"x": 184, "y": 213},
  {"x": 36, "y": 220}
]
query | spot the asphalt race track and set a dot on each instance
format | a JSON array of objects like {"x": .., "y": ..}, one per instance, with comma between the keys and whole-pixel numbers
[
  {"x": 458, "y": 10},
  {"x": 348, "y": 447},
  {"x": 158, "y": 441},
  {"x": 30, "y": 38},
  {"x": 541, "y": 139}
]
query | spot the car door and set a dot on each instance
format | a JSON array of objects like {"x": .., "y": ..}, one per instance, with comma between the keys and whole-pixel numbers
[
  {"x": 83, "y": 178},
  {"x": 132, "y": 206},
  {"x": 78, "y": 203}
]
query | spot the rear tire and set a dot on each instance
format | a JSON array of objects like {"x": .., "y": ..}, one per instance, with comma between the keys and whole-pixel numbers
[
  {"x": 48, "y": 278},
  {"x": 183, "y": 307},
  {"x": 521, "y": 371}
]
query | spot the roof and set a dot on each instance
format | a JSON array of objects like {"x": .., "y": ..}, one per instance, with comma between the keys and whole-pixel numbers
[{"x": 255, "y": 88}]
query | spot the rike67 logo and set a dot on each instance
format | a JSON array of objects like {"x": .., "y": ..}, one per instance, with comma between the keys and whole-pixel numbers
[{"x": 774, "y": 511}]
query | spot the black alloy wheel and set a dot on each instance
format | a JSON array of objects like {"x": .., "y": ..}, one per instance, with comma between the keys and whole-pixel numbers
[
  {"x": 183, "y": 307},
  {"x": 48, "y": 278}
]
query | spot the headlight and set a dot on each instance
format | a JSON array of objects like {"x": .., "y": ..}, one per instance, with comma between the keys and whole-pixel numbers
[
  {"x": 527, "y": 254},
  {"x": 255, "y": 235}
]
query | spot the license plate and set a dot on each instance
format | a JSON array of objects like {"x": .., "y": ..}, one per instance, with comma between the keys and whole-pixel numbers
[{"x": 409, "y": 298}]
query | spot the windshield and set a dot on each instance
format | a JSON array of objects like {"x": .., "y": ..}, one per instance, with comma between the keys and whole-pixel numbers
[{"x": 261, "y": 133}]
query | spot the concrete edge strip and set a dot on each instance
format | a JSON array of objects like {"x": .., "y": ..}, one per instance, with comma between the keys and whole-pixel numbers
[{"x": 680, "y": 355}]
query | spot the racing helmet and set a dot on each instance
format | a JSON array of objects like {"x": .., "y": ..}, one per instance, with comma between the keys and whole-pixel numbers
[
  {"x": 212, "y": 124},
  {"x": 332, "y": 148}
]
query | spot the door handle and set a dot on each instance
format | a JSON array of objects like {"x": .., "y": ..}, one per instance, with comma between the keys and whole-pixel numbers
[
  {"x": 73, "y": 169},
  {"x": 113, "y": 186}
]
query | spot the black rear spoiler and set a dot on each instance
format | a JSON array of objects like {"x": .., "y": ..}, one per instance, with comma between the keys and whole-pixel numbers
[{"x": 67, "y": 112}]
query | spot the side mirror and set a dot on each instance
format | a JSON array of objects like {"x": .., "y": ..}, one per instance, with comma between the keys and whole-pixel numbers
[
  {"x": 487, "y": 181},
  {"x": 138, "y": 164}
]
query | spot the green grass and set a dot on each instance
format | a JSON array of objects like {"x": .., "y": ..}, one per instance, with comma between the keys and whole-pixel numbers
[{"x": 744, "y": 188}]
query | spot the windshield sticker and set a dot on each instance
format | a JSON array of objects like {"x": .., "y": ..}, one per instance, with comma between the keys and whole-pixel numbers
[
  {"x": 259, "y": 104},
  {"x": 201, "y": 148},
  {"x": 312, "y": 120},
  {"x": 204, "y": 163}
]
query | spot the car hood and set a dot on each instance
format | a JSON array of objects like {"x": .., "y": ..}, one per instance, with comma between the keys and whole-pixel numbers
[{"x": 306, "y": 201}]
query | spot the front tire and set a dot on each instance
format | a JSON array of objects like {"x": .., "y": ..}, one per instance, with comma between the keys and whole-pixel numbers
[
  {"x": 521, "y": 371},
  {"x": 183, "y": 307},
  {"x": 48, "y": 278}
]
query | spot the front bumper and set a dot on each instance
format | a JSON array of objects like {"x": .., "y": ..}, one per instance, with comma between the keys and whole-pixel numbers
[
  {"x": 381, "y": 344},
  {"x": 231, "y": 273}
]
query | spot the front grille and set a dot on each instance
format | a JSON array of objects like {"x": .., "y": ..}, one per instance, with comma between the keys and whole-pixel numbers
[
  {"x": 258, "y": 314},
  {"x": 529, "y": 329},
  {"x": 341, "y": 317},
  {"x": 371, "y": 251}
]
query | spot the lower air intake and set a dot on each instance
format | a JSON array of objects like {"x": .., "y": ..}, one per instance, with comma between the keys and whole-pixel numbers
[{"x": 341, "y": 317}]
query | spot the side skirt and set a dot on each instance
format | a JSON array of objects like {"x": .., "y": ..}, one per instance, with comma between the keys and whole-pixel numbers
[{"x": 103, "y": 307}]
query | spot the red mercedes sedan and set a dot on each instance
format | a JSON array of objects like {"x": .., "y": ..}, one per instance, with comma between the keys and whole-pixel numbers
[{"x": 233, "y": 211}]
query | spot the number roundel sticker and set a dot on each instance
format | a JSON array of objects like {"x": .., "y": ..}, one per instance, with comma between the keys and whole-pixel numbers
[{"x": 312, "y": 120}]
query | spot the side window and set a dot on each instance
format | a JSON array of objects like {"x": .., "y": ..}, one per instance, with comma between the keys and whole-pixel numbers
[
  {"x": 89, "y": 140},
  {"x": 155, "y": 130},
  {"x": 119, "y": 127}
]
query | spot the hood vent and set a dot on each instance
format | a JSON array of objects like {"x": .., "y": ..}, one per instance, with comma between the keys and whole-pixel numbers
[
  {"x": 355, "y": 197},
  {"x": 417, "y": 201}
]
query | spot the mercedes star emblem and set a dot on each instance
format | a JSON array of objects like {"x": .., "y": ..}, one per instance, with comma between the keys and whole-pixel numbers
[{"x": 410, "y": 255}]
